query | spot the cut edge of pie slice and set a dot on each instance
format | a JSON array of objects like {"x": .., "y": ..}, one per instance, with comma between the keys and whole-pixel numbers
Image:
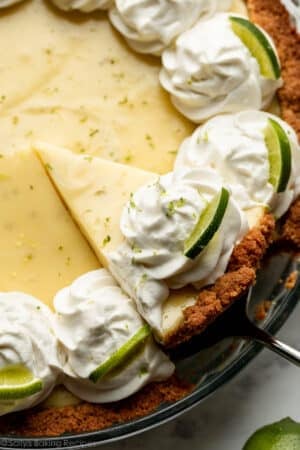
[
  {"x": 42, "y": 249},
  {"x": 95, "y": 191}
]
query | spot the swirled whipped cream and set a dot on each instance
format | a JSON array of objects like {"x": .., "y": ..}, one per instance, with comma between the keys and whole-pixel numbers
[
  {"x": 156, "y": 222},
  {"x": 150, "y": 26},
  {"x": 94, "y": 318},
  {"x": 234, "y": 146},
  {"x": 27, "y": 339},
  {"x": 210, "y": 71},
  {"x": 83, "y": 5}
]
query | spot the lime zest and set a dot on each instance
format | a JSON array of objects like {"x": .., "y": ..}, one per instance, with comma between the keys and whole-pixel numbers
[
  {"x": 279, "y": 154},
  {"x": 18, "y": 382},
  {"x": 258, "y": 45},
  {"x": 119, "y": 357},
  {"x": 207, "y": 225}
]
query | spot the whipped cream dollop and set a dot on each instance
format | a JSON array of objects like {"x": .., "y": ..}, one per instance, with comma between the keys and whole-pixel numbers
[
  {"x": 234, "y": 146},
  {"x": 83, "y": 5},
  {"x": 149, "y": 26},
  {"x": 210, "y": 71},
  {"x": 94, "y": 318},
  {"x": 156, "y": 222},
  {"x": 27, "y": 339}
]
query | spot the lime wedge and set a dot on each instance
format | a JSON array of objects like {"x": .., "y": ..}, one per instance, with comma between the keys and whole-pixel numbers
[
  {"x": 207, "y": 225},
  {"x": 120, "y": 356},
  {"x": 258, "y": 45},
  {"x": 283, "y": 435},
  {"x": 17, "y": 382},
  {"x": 280, "y": 155}
]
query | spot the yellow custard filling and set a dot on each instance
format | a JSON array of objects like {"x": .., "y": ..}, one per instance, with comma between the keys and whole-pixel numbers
[
  {"x": 70, "y": 79},
  {"x": 41, "y": 249}
]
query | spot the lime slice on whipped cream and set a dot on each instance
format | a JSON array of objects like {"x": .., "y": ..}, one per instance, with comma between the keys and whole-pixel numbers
[
  {"x": 283, "y": 435},
  {"x": 207, "y": 225},
  {"x": 258, "y": 45},
  {"x": 18, "y": 382},
  {"x": 123, "y": 354},
  {"x": 280, "y": 155}
]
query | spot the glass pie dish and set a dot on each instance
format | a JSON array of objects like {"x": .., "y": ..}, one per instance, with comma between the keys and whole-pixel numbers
[{"x": 208, "y": 370}]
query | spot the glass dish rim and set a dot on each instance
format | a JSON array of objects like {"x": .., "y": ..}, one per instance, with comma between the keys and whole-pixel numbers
[{"x": 159, "y": 417}]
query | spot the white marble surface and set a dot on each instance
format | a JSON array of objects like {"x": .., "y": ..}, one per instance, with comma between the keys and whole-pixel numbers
[{"x": 266, "y": 391}]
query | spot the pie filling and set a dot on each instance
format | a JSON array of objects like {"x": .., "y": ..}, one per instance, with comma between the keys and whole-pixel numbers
[{"x": 98, "y": 168}]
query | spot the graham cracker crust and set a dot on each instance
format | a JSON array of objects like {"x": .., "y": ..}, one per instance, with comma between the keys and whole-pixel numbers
[
  {"x": 273, "y": 17},
  {"x": 87, "y": 417}
]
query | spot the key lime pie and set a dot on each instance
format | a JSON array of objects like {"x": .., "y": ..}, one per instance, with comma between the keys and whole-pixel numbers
[{"x": 145, "y": 163}]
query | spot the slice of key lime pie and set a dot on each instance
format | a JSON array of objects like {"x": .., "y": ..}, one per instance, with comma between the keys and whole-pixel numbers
[
  {"x": 169, "y": 232},
  {"x": 162, "y": 205},
  {"x": 124, "y": 229}
]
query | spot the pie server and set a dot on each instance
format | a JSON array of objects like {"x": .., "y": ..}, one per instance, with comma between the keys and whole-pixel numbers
[{"x": 236, "y": 322}]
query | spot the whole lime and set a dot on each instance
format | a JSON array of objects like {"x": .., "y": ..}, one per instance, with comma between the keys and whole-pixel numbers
[{"x": 283, "y": 435}]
